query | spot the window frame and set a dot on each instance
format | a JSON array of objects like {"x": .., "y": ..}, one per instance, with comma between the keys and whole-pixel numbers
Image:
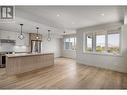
[
  {"x": 105, "y": 34},
  {"x": 106, "y": 43},
  {"x": 86, "y": 41},
  {"x": 119, "y": 32},
  {"x": 65, "y": 42},
  {"x": 69, "y": 42}
]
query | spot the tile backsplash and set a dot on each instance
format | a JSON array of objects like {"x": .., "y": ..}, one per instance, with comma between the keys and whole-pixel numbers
[
  {"x": 8, "y": 47},
  {"x": 20, "y": 49}
]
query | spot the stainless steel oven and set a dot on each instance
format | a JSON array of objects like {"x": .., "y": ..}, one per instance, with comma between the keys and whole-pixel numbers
[{"x": 3, "y": 59}]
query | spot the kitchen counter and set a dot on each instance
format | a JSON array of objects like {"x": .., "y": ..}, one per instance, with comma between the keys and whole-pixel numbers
[
  {"x": 25, "y": 62},
  {"x": 26, "y": 54}
]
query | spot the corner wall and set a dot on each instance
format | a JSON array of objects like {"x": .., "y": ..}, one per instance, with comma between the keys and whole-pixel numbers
[
  {"x": 67, "y": 53},
  {"x": 52, "y": 46},
  {"x": 116, "y": 63}
]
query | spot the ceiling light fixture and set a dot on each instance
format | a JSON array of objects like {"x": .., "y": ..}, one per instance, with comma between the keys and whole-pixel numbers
[
  {"x": 49, "y": 35},
  {"x": 102, "y": 14},
  {"x": 58, "y": 15},
  {"x": 64, "y": 33},
  {"x": 73, "y": 23},
  {"x": 21, "y": 35},
  {"x": 37, "y": 37}
]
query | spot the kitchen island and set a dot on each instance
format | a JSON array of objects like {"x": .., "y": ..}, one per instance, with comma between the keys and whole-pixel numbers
[{"x": 25, "y": 62}]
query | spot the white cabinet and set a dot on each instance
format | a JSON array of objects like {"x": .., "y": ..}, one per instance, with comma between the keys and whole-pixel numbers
[
  {"x": 7, "y": 35},
  {"x": 14, "y": 36}
]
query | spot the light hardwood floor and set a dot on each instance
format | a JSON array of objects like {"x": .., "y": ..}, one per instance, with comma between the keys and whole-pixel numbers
[{"x": 65, "y": 74}]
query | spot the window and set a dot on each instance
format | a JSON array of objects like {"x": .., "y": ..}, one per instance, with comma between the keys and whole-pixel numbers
[
  {"x": 70, "y": 43},
  {"x": 100, "y": 42},
  {"x": 113, "y": 43},
  {"x": 103, "y": 42},
  {"x": 89, "y": 42},
  {"x": 66, "y": 43}
]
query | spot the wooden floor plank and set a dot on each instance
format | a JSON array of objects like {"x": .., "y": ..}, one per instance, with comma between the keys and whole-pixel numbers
[{"x": 65, "y": 74}]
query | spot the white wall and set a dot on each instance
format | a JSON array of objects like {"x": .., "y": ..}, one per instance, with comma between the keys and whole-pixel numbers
[
  {"x": 117, "y": 63},
  {"x": 52, "y": 46},
  {"x": 125, "y": 16},
  {"x": 67, "y": 53}
]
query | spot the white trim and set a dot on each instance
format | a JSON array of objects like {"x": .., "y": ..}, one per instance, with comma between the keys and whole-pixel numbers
[
  {"x": 106, "y": 43},
  {"x": 69, "y": 42},
  {"x": 88, "y": 34},
  {"x": 104, "y": 54}
]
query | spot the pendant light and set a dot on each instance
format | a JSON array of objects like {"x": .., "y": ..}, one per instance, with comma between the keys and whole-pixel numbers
[
  {"x": 49, "y": 35},
  {"x": 64, "y": 33},
  {"x": 37, "y": 37},
  {"x": 21, "y": 35}
]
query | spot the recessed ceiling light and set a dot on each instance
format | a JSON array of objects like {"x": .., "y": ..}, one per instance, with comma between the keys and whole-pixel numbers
[
  {"x": 58, "y": 15},
  {"x": 73, "y": 23},
  {"x": 102, "y": 14}
]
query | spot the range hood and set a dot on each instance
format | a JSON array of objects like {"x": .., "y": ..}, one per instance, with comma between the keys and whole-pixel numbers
[{"x": 7, "y": 41}]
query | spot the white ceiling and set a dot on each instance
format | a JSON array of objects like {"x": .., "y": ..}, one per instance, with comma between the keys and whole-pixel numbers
[{"x": 60, "y": 18}]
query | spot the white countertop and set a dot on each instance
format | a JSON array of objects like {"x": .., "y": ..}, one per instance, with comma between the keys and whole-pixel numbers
[{"x": 26, "y": 54}]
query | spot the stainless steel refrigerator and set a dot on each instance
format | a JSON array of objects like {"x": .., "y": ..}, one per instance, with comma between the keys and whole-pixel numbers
[{"x": 36, "y": 46}]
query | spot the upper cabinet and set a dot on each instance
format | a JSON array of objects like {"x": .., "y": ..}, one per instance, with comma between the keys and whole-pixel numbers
[
  {"x": 7, "y": 35},
  {"x": 14, "y": 36}
]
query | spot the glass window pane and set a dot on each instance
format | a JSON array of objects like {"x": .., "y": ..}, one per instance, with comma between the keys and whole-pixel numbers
[
  {"x": 66, "y": 40},
  {"x": 100, "y": 43},
  {"x": 72, "y": 43},
  {"x": 113, "y": 43},
  {"x": 66, "y": 45},
  {"x": 69, "y": 43},
  {"x": 75, "y": 43},
  {"x": 89, "y": 41}
]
